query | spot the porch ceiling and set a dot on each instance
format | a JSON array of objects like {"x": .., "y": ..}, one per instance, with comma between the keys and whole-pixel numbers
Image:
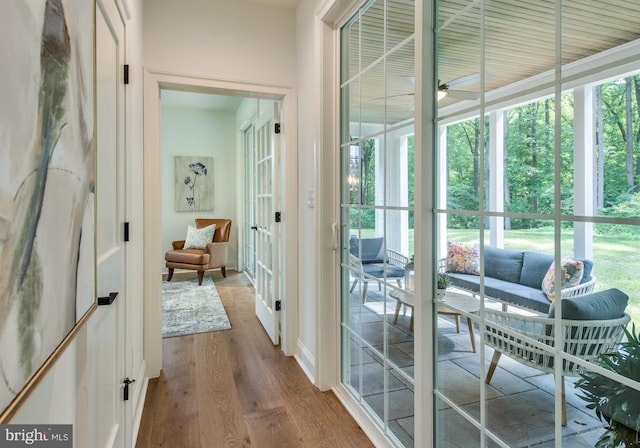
[{"x": 520, "y": 43}]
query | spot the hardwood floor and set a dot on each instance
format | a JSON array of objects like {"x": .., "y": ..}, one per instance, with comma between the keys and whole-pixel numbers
[{"x": 233, "y": 388}]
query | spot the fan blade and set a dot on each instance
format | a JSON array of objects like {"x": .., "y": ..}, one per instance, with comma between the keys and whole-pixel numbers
[
  {"x": 466, "y": 80},
  {"x": 463, "y": 94},
  {"x": 392, "y": 96}
]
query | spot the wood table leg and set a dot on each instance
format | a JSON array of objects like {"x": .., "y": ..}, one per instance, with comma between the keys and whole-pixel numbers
[{"x": 471, "y": 334}]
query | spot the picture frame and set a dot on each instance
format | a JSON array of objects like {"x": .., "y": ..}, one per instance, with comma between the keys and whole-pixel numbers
[
  {"x": 47, "y": 198},
  {"x": 194, "y": 184}
]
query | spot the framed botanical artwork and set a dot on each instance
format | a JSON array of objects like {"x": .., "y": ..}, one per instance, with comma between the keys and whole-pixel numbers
[
  {"x": 194, "y": 184},
  {"x": 47, "y": 223}
]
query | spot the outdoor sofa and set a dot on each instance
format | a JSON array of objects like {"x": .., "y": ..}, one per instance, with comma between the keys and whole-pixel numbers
[{"x": 513, "y": 277}]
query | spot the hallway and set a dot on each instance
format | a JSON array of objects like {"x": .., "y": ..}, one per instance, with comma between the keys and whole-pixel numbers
[{"x": 233, "y": 388}]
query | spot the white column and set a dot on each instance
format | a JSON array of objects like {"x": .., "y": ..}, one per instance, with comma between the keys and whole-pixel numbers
[
  {"x": 442, "y": 191},
  {"x": 496, "y": 177},
  {"x": 396, "y": 189},
  {"x": 583, "y": 170},
  {"x": 379, "y": 183}
]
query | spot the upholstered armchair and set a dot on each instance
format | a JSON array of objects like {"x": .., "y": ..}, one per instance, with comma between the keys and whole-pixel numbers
[{"x": 201, "y": 257}]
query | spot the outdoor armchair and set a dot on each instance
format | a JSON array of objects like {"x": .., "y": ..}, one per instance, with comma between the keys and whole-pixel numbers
[{"x": 592, "y": 325}]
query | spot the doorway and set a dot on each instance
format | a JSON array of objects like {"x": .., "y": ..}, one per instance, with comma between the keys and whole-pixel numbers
[{"x": 154, "y": 83}]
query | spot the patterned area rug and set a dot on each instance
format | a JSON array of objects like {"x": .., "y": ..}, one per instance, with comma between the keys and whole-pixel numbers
[{"x": 188, "y": 308}]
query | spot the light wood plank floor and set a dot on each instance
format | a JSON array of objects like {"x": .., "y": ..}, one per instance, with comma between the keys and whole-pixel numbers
[{"x": 233, "y": 388}]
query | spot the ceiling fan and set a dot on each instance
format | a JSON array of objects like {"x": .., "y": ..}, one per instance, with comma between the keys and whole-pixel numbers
[{"x": 450, "y": 88}]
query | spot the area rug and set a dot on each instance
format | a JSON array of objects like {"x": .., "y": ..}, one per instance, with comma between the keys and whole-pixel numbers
[{"x": 188, "y": 308}]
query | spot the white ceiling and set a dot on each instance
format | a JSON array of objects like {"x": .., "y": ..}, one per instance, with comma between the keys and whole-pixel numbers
[{"x": 194, "y": 100}]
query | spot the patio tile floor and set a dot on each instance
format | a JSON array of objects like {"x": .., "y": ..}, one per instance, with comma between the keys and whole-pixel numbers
[{"x": 520, "y": 399}]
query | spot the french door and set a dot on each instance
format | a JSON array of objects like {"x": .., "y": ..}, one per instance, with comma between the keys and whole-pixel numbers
[{"x": 267, "y": 274}]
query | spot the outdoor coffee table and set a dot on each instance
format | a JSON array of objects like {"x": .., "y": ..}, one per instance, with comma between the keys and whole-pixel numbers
[
  {"x": 454, "y": 304},
  {"x": 403, "y": 297}
]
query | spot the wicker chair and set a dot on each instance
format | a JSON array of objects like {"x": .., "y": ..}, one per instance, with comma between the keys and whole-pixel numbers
[
  {"x": 393, "y": 269},
  {"x": 529, "y": 340}
]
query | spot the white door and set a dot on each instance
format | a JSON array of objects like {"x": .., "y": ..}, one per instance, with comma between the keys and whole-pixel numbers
[
  {"x": 109, "y": 425},
  {"x": 267, "y": 244}
]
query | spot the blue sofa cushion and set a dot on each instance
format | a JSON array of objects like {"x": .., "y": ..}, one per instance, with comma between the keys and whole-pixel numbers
[
  {"x": 534, "y": 267},
  {"x": 368, "y": 250},
  {"x": 601, "y": 305},
  {"x": 520, "y": 295},
  {"x": 503, "y": 264}
]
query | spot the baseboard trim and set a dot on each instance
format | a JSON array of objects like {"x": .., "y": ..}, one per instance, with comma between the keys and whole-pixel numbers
[
  {"x": 138, "y": 404},
  {"x": 370, "y": 428},
  {"x": 306, "y": 361}
]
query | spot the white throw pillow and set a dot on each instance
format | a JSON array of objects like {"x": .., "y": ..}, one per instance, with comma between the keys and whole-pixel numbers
[{"x": 199, "y": 238}]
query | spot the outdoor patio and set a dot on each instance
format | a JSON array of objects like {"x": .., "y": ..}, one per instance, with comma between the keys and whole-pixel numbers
[{"x": 520, "y": 399}]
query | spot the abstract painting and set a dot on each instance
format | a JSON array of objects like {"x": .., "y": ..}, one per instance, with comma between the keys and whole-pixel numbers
[
  {"x": 194, "y": 184},
  {"x": 47, "y": 258}
]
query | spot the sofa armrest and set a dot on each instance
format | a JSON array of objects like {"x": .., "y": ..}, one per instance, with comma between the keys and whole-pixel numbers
[
  {"x": 177, "y": 245},
  {"x": 580, "y": 289}
]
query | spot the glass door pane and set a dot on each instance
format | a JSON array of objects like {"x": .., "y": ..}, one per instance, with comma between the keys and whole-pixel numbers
[
  {"x": 250, "y": 207},
  {"x": 376, "y": 154}
]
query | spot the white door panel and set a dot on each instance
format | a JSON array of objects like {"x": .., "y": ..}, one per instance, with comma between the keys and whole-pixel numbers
[{"x": 108, "y": 425}]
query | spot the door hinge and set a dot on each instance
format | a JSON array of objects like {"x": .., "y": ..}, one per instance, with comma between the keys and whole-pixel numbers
[
  {"x": 278, "y": 216},
  {"x": 126, "y": 231},
  {"x": 126, "y": 73},
  {"x": 278, "y": 305},
  {"x": 276, "y": 128}
]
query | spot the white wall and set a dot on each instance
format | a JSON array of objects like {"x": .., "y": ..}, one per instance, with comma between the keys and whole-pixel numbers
[
  {"x": 224, "y": 39},
  {"x": 308, "y": 145},
  {"x": 199, "y": 132}
]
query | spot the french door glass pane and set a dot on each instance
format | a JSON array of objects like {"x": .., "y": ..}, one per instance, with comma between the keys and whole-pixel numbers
[{"x": 376, "y": 156}]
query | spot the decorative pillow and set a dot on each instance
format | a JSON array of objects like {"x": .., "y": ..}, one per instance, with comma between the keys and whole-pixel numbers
[
  {"x": 463, "y": 258},
  {"x": 572, "y": 272},
  {"x": 199, "y": 238}
]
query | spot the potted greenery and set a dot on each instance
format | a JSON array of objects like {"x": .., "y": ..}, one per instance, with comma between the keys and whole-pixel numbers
[
  {"x": 443, "y": 281},
  {"x": 614, "y": 403}
]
